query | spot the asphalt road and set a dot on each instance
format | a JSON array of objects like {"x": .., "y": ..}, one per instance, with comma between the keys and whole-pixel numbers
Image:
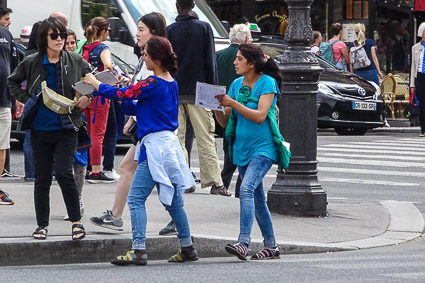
[{"x": 403, "y": 263}]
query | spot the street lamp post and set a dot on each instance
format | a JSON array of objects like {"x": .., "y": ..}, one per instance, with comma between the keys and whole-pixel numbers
[{"x": 298, "y": 192}]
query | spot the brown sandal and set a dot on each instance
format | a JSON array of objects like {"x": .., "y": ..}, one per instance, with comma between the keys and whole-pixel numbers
[{"x": 222, "y": 190}]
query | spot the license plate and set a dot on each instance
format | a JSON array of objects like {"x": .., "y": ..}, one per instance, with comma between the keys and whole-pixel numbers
[{"x": 361, "y": 105}]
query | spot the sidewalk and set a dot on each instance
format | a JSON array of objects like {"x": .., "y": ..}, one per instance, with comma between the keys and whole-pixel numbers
[{"x": 214, "y": 222}]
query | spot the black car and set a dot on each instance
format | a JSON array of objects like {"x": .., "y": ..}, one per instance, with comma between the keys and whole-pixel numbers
[
  {"x": 20, "y": 135},
  {"x": 349, "y": 104}
]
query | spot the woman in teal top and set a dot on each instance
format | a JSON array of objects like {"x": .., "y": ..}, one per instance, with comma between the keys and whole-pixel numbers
[{"x": 254, "y": 151}]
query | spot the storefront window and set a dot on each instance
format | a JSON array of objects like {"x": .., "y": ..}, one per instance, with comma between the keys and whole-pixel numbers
[
  {"x": 229, "y": 10},
  {"x": 392, "y": 40},
  {"x": 271, "y": 16}
]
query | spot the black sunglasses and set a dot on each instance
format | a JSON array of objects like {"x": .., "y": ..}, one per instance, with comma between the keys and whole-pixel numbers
[{"x": 54, "y": 35}]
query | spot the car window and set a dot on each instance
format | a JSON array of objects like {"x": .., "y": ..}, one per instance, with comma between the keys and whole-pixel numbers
[{"x": 121, "y": 64}]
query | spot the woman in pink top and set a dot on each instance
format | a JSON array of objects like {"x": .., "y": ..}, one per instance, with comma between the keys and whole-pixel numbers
[{"x": 340, "y": 50}]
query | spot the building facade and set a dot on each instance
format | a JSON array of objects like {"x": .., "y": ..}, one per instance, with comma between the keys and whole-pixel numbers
[{"x": 391, "y": 23}]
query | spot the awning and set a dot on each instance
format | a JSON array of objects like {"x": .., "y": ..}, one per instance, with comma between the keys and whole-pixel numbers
[{"x": 420, "y": 5}]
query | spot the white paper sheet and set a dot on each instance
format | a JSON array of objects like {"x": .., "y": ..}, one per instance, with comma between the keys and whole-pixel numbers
[
  {"x": 105, "y": 77},
  {"x": 205, "y": 96}
]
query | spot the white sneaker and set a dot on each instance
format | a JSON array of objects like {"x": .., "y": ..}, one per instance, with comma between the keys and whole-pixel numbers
[
  {"x": 112, "y": 174},
  {"x": 81, "y": 208}
]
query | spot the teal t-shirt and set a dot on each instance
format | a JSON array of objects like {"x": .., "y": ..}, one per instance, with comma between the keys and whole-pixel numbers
[{"x": 251, "y": 138}]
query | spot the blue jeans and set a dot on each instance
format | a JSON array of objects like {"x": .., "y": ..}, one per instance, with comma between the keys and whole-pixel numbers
[
  {"x": 253, "y": 201},
  {"x": 28, "y": 156},
  {"x": 140, "y": 189},
  {"x": 370, "y": 75}
]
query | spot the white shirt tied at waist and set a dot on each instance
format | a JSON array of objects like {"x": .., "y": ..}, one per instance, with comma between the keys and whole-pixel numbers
[{"x": 167, "y": 164}]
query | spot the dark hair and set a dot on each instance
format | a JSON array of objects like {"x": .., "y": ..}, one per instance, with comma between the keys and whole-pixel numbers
[
  {"x": 156, "y": 23},
  {"x": 159, "y": 48},
  {"x": 93, "y": 30},
  {"x": 242, "y": 20},
  {"x": 316, "y": 35},
  {"x": 5, "y": 11},
  {"x": 32, "y": 42},
  {"x": 71, "y": 32},
  {"x": 262, "y": 62},
  {"x": 185, "y": 4},
  {"x": 51, "y": 23},
  {"x": 335, "y": 28}
]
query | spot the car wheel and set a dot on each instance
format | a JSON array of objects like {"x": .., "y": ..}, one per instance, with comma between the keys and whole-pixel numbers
[{"x": 350, "y": 131}]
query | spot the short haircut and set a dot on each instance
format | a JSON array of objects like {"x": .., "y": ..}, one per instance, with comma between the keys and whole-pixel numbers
[
  {"x": 51, "y": 23},
  {"x": 421, "y": 29},
  {"x": 239, "y": 33},
  {"x": 5, "y": 11},
  {"x": 185, "y": 4}
]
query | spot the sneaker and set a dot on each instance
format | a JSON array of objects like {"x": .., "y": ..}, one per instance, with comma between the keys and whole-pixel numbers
[
  {"x": 185, "y": 254},
  {"x": 7, "y": 174},
  {"x": 4, "y": 199},
  {"x": 197, "y": 180},
  {"x": 239, "y": 249},
  {"x": 112, "y": 174},
  {"x": 88, "y": 173},
  {"x": 222, "y": 190},
  {"x": 170, "y": 229},
  {"x": 267, "y": 253},
  {"x": 66, "y": 217},
  {"x": 131, "y": 258},
  {"x": 108, "y": 221},
  {"x": 99, "y": 178}
]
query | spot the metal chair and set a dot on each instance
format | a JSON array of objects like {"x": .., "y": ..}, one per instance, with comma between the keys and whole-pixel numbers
[{"x": 388, "y": 88}]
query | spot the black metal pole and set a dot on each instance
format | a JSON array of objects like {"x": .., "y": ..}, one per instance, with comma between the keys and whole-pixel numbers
[{"x": 298, "y": 192}]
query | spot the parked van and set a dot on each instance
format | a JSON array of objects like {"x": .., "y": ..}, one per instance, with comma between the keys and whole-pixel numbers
[{"x": 122, "y": 14}]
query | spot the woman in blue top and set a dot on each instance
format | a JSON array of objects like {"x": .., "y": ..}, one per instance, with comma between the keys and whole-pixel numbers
[
  {"x": 372, "y": 72},
  {"x": 254, "y": 150},
  {"x": 161, "y": 159}
]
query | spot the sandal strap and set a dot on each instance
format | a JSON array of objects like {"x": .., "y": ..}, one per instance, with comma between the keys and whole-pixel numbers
[{"x": 129, "y": 256}]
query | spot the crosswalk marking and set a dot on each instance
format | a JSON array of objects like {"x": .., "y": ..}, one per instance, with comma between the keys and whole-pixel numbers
[
  {"x": 379, "y": 163},
  {"x": 402, "y": 141},
  {"x": 376, "y": 156},
  {"x": 374, "y": 265},
  {"x": 392, "y": 152},
  {"x": 371, "y": 172},
  {"x": 370, "y": 146},
  {"x": 394, "y": 143},
  {"x": 370, "y": 182}
]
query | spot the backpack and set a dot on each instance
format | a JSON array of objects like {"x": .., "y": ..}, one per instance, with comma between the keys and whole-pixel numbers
[
  {"x": 326, "y": 51},
  {"x": 86, "y": 52},
  {"x": 359, "y": 58}
]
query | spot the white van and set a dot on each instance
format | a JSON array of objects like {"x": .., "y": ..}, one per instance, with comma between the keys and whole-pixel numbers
[{"x": 122, "y": 14}]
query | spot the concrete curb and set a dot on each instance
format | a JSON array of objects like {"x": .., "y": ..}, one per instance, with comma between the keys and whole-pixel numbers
[{"x": 405, "y": 224}]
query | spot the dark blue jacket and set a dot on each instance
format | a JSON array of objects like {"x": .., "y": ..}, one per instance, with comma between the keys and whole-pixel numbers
[{"x": 193, "y": 42}]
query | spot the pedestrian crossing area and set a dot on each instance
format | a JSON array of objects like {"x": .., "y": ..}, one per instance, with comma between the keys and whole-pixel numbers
[
  {"x": 385, "y": 162},
  {"x": 368, "y": 267}
]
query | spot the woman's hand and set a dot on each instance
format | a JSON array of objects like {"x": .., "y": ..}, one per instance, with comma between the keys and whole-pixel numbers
[
  {"x": 83, "y": 102},
  {"x": 225, "y": 100},
  {"x": 90, "y": 79},
  {"x": 19, "y": 109},
  {"x": 127, "y": 126}
]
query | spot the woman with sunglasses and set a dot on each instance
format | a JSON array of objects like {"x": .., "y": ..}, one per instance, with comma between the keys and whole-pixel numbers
[
  {"x": 159, "y": 153},
  {"x": 248, "y": 103},
  {"x": 53, "y": 136},
  {"x": 97, "y": 113}
]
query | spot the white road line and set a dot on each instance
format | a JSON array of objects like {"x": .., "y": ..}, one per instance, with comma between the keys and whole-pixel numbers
[
  {"x": 371, "y": 172},
  {"x": 368, "y": 162},
  {"x": 377, "y": 147},
  {"x": 400, "y": 141},
  {"x": 376, "y": 156},
  {"x": 406, "y": 145},
  {"x": 393, "y": 152},
  {"x": 369, "y": 182}
]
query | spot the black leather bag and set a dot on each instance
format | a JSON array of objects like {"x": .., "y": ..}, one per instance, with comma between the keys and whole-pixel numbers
[
  {"x": 412, "y": 108},
  {"x": 30, "y": 110}
]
